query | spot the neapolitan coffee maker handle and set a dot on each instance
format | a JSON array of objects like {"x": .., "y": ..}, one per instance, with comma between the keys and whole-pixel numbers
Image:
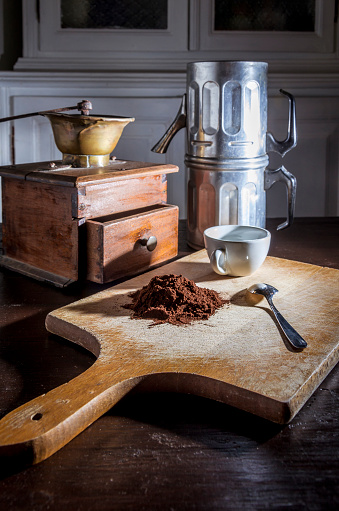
[
  {"x": 272, "y": 145},
  {"x": 281, "y": 174},
  {"x": 282, "y": 147}
]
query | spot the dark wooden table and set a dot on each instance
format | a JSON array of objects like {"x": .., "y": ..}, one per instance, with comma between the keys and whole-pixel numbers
[{"x": 166, "y": 451}]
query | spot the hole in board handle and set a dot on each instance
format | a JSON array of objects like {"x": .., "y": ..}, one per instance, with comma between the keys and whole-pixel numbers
[{"x": 36, "y": 417}]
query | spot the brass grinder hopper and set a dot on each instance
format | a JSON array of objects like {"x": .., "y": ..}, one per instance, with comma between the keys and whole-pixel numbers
[{"x": 84, "y": 140}]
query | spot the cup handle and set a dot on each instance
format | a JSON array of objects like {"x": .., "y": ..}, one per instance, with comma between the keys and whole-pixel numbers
[{"x": 218, "y": 261}]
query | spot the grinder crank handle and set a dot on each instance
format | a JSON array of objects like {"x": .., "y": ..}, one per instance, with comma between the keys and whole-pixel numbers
[
  {"x": 282, "y": 147},
  {"x": 179, "y": 122},
  {"x": 85, "y": 106},
  {"x": 39, "y": 428},
  {"x": 281, "y": 174}
]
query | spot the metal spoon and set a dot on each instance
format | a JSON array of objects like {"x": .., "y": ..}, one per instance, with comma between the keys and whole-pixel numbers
[{"x": 292, "y": 336}]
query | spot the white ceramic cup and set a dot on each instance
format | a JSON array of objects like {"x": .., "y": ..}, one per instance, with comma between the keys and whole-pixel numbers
[{"x": 236, "y": 250}]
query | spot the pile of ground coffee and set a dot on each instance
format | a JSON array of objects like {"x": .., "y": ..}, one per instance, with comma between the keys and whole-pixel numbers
[{"x": 174, "y": 299}]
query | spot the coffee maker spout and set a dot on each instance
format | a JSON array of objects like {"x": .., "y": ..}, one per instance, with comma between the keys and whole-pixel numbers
[
  {"x": 178, "y": 123},
  {"x": 282, "y": 147}
]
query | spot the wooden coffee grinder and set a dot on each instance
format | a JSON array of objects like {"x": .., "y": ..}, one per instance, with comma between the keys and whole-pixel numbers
[{"x": 90, "y": 215}]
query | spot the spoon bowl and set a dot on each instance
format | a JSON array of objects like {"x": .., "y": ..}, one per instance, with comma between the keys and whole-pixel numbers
[{"x": 268, "y": 291}]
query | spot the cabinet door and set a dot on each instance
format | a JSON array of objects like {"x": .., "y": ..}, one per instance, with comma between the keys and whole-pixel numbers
[
  {"x": 279, "y": 26},
  {"x": 112, "y": 26}
]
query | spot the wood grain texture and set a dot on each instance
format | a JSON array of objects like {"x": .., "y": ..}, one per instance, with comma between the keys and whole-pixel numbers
[
  {"x": 114, "y": 248},
  {"x": 159, "y": 450},
  {"x": 66, "y": 175},
  {"x": 238, "y": 356},
  {"x": 38, "y": 227},
  {"x": 122, "y": 195}
]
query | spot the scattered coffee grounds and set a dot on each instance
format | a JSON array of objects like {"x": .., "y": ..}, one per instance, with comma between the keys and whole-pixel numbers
[{"x": 174, "y": 299}]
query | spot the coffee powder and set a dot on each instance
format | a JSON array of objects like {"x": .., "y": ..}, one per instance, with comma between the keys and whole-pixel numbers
[{"x": 174, "y": 299}]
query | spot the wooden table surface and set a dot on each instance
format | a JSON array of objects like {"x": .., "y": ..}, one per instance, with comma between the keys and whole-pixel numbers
[{"x": 166, "y": 451}]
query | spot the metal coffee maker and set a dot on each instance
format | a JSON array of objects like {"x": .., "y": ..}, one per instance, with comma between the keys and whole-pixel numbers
[{"x": 224, "y": 111}]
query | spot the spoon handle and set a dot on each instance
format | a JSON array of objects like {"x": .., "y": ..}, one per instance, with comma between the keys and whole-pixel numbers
[{"x": 292, "y": 335}]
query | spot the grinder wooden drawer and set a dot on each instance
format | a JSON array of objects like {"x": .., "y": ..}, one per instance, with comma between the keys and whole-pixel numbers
[{"x": 130, "y": 242}]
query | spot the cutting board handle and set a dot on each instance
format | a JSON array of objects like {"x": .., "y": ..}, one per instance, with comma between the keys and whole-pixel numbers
[{"x": 39, "y": 428}]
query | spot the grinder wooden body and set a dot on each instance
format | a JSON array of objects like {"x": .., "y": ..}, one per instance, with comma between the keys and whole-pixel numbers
[{"x": 62, "y": 223}]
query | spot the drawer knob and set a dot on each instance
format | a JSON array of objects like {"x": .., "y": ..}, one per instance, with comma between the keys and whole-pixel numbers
[{"x": 150, "y": 243}]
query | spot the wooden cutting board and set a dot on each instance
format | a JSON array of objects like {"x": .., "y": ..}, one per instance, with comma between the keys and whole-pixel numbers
[{"x": 238, "y": 356}]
